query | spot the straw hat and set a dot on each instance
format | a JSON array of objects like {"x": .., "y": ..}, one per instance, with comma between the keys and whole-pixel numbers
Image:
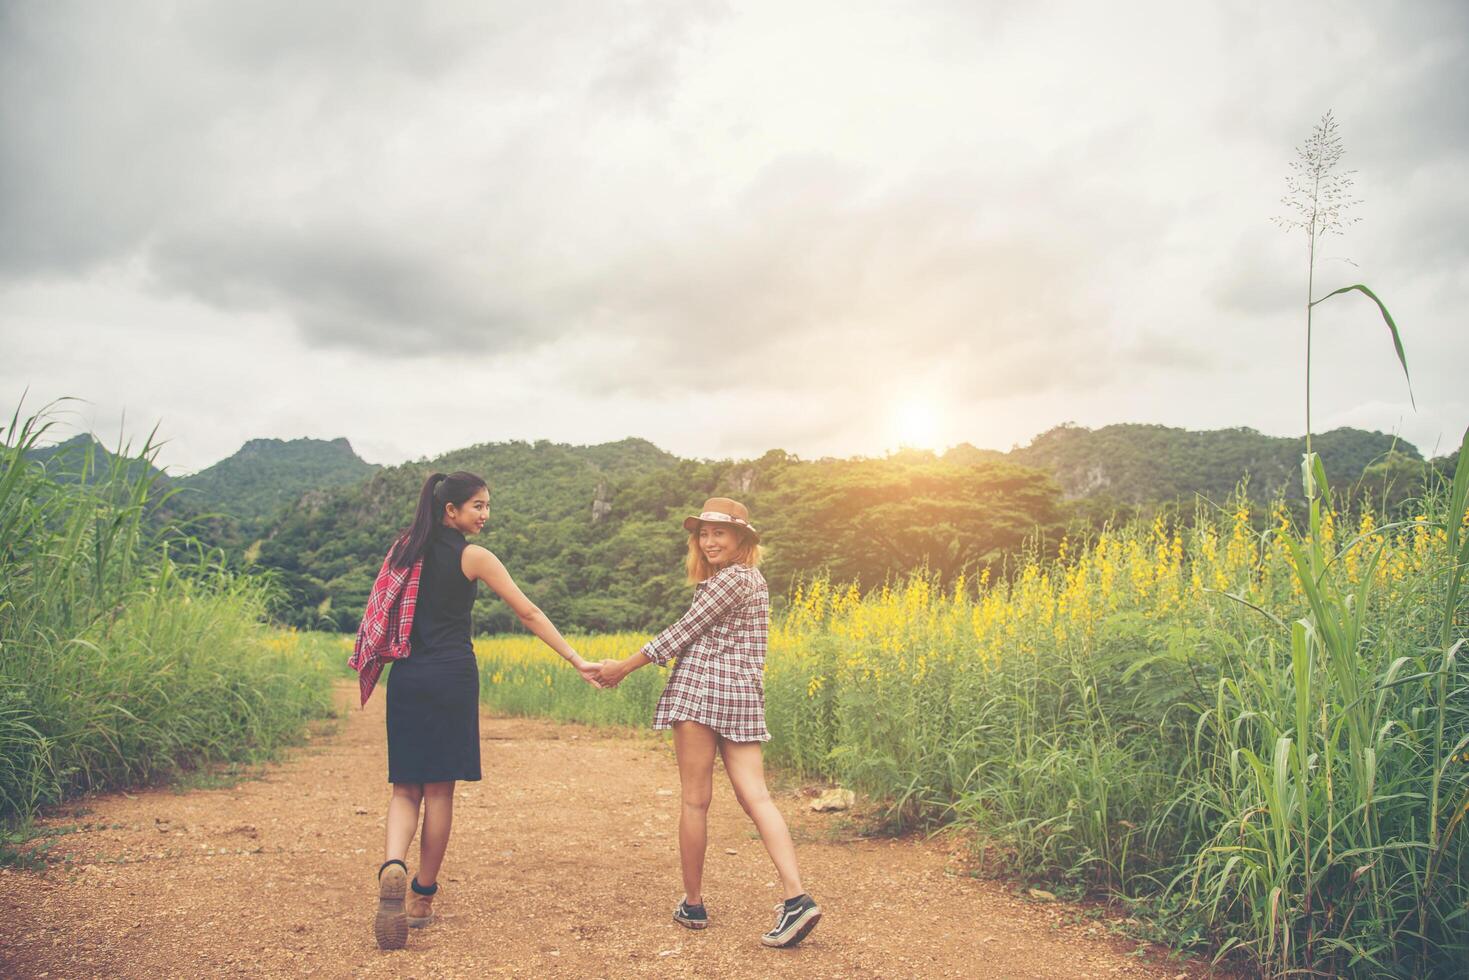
[{"x": 722, "y": 510}]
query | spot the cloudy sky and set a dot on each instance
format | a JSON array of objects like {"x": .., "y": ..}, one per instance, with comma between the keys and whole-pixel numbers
[{"x": 828, "y": 227}]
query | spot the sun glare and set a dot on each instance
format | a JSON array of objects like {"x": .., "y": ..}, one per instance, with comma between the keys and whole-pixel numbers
[{"x": 916, "y": 424}]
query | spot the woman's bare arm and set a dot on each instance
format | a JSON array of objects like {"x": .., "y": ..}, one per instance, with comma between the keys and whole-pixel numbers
[{"x": 480, "y": 564}]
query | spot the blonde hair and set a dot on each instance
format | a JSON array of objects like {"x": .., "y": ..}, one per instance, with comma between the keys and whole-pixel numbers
[{"x": 698, "y": 566}]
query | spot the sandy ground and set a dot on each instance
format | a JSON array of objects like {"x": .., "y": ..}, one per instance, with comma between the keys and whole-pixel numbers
[{"x": 563, "y": 863}]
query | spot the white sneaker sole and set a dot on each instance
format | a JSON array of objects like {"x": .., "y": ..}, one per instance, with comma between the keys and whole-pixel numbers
[
  {"x": 796, "y": 931},
  {"x": 691, "y": 923}
]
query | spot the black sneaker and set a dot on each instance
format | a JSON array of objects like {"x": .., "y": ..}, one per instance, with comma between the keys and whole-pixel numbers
[
  {"x": 691, "y": 916},
  {"x": 793, "y": 922}
]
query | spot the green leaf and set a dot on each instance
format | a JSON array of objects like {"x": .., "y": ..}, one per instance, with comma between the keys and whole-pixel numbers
[
  {"x": 1397, "y": 341},
  {"x": 1458, "y": 549}
]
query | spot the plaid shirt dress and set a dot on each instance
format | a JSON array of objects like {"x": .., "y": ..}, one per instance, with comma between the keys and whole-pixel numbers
[{"x": 718, "y": 679}]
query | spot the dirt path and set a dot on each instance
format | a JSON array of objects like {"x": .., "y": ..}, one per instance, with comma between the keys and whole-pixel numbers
[{"x": 563, "y": 864}]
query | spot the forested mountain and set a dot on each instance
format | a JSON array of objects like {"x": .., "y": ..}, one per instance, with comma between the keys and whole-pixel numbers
[
  {"x": 84, "y": 456},
  {"x": 225, "y": 505},
  {"x": 327, "y": 548},
  {"x": 268, "y": 474},
  {"x": 592, "y": 532},
  {"x": 1138, "y": 464}
]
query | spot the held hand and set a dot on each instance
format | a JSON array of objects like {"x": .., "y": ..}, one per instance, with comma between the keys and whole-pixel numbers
[
  {"x": 591, "y": 673},
  {"x": 610, "y": 673},
  {"x": 587, "y": 671}
]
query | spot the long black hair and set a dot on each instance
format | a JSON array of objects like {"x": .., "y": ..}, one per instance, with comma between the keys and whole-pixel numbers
[{"x": 437, "y": 491}]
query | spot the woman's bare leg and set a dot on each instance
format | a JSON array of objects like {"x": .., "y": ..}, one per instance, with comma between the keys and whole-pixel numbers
[
  {"x": 694, "y": 745},
  {"x": 402, "y": 820},
  {"x": 438, "y": 820},
  {"x": 746, "y": 768}
]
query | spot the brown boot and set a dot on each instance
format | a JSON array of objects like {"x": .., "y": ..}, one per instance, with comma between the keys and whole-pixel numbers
[
  {"x": 419, "y": 908},
  {"x": 391, "y": 926}
]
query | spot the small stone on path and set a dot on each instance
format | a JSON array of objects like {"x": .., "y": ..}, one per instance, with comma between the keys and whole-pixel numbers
[{"x": 834, "y": 799}]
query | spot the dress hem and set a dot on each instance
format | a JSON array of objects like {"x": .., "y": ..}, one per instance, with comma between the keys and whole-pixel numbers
[{"x": 663, "y": 726}]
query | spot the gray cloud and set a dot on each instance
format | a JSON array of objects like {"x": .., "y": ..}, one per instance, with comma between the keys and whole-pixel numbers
[
  {"x": 1262, "y": 274},
  {"x": 344, "y": 289},
  {"x": 1018, "y": 201}
]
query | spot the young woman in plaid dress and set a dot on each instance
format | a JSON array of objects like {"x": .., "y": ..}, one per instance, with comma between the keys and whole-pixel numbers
[{"x": 715, "y": 702}]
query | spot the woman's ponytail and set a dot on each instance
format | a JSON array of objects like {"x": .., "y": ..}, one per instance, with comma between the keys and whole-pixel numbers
[
  {"x": 437, "y": 491},
  {"x": 409, "y": 546}
]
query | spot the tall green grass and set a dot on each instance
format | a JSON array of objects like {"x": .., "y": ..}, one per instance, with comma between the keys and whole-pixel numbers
[
  {"x": 126, "y": 652},
  {"x": 1323, "y": 779}
]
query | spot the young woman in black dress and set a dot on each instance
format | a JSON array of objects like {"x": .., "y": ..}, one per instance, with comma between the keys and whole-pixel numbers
[{"x": 433, "y": 693}]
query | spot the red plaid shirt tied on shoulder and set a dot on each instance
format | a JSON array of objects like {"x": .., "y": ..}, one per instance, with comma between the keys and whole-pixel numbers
[
  {"x": 387, "y": 623},
  {"x": 718, "y": 679}
]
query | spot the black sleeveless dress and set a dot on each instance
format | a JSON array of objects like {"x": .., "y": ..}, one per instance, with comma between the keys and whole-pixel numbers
[{"x": 433, "y": 694}]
